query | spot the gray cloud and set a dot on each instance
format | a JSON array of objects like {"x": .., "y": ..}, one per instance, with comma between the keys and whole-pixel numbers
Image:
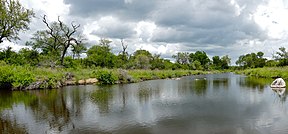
[
  {"x": 206, "y": 22},
  {"x": 125, "y": 9},
  {"x": 214, "y": 26},
  {"x": 113, "y": 28}
]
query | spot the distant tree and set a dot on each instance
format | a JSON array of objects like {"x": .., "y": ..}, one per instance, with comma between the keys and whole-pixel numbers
[
  {"x": 281, "y": 56},
  {"x": 13, "y": 18},
  {"x": 157, "y": 62},
  {"x": 225, "y": 62},
  {"x": 201, "y": 57},
  {"x": 123, "y": 56},
  {"x": 271, "y": 63},
  {"x": 216, "y": 62},
  {"x": 78, "y": 50},
  {"x": 101, "y": 55},
  {"x": 251, "y": 60},
  {"x": 141, "y": 59},
  {"x": 11, "y": 57},
  {"x": 196, "y": 65},
  {"x": 181, "y": 58},
  {"x": 124, "y": 53},
  {"x": 29, "y": 56}
]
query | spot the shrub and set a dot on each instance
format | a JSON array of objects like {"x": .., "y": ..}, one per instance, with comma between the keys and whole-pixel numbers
[{"x": 106, "y": 77}]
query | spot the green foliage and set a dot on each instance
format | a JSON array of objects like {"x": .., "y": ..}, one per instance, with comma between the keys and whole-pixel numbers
[
  {"x": 11, "y": 57},
  {"x": 222, "y": 63},
  {"x": 251, "y": 60},
  {"x": 200, "y": 57},
  {"x": 142, "y": 62},
  {"x": 69, "y": 62},
  {"x": 106, "y": 77},
  {"x": 196, "y": 65},
  {"x": 6, "y": 77},
  {"x": 157, "y": 62},
  {"x": 15, "y": 76},
  {"x": 22, "y": 77},
  {"x": 281, "y": 56},
  {"x": 30, "y": 57},
  {"x": 100, "y": 56},
  {"x": 141, "y": 59},
  {"x": 266, "y": 72},
  {"x": 14, "y": 18}
]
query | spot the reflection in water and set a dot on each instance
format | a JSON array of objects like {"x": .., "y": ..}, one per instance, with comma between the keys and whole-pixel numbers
[
  {"x": 281, "y": 93},
  {"x": 102, "y": 98},
  {"x": 219, "y": 83},
  {"x": 8, "y": 98},
  {"x": 254, "y": 83},
  {"x": 52, "y": 107},
  {"x": 195, "y": 85},
  {"x": 196, "y": 104},
  {"x": 146, "y": 92},
  {"x": 11, "y": 127}
]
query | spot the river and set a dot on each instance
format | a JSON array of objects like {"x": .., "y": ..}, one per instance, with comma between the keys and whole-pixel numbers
[{"x": 214, "y": 103}]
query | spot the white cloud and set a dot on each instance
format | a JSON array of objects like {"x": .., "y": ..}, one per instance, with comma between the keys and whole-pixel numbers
[
  {"x": 273, "y": 18},
  {"x": 52, "y": 8},
  {"x": 145, "y": 30},
  {"x": 15, "y": 47}
]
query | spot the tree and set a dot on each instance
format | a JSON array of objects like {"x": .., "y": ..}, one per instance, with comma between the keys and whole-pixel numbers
[
  {"x": 181, "y": 58},
  {"x": 124, "y": 53},
  {"x": 30, "y": 57},
  {"x": 101, "y": 55},
  {"x": 216, "y": 61},
  {"x": 157, "y": 62},
  {"x": 200, "y": 56},
  {"x": 225, "y": 62},
  {"x": 11, "y": 57},
  {"x": 251, "y": 60},
  {"x": 221, "y": 63},
  {"x": 141, "y": 59},
  {"x": 78, "y": 50},
  {"x": 281, "y": 56},
  {"x": 13, "y": 18},
  {"x": 57, "y": 39}
]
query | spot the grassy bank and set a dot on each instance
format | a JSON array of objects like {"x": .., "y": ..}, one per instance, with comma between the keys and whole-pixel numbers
[
  {"x": 266, "y": 72},
  {"x": 27, "y": 78}
]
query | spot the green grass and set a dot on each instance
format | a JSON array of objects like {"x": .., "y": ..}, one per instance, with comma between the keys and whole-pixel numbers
[
  {"x": 266, "y": 72},
  {"x": 20, "y": 77}
]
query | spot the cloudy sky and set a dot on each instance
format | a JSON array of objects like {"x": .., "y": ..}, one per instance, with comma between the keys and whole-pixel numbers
[{"x": 218, "y": 27}]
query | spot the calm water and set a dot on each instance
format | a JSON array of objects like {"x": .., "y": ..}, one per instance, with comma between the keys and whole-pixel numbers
[{"x": 221, "y": 103}]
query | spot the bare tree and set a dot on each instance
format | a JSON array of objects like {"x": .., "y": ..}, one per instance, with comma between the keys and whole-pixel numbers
[
  {"x": 63, "y": 35},
  {"x": 124, "y": 52}
]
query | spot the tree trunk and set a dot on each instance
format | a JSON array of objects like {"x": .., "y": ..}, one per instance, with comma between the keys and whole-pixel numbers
[{"x": 63, "y": 55}]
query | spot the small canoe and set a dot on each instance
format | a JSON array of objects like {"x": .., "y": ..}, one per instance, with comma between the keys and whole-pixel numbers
[{"x": 278, "y": 83}]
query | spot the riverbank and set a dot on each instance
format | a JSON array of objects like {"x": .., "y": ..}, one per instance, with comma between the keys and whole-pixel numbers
[
  {"x": 266, "y": 72},
  {"x": 31, "y": 78}
]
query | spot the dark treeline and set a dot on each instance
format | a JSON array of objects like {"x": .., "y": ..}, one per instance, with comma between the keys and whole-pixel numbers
[{"x": 256, "y": 60}]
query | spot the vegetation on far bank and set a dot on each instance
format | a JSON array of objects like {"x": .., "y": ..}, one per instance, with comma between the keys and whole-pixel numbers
[
  {"x": 54, "y": 57},
  {"x": 266, "y": 72},
  {"x": 27, "y": 77}
]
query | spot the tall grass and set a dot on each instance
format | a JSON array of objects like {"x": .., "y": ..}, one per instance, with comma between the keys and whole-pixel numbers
[
  {"x": 26, "y": 77},
  {"x": 266, "y": 72}
]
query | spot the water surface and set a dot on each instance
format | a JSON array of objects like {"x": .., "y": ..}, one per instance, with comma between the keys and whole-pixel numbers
[{"x": 216, "y": 103}]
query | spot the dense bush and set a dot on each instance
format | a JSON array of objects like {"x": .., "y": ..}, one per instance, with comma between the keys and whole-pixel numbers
[
  {"x": 106, "y": 76},
  {"x": 15, "y": 76}
]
